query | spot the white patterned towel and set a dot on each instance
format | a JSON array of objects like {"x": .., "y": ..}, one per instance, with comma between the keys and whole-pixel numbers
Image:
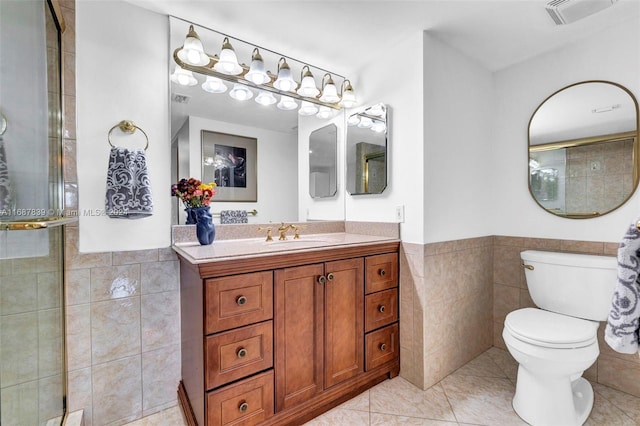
[
  {"x": 623, "y": 324},
  {"x": 128, "y": 188},
  {"x": 233, "y": 216},
  {"x": 5, "y": 183}
]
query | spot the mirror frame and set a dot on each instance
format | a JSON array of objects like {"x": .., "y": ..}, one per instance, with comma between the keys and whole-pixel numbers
[
  {"x": 333, "y": 180},
  {"x": 588, "y": 141}
]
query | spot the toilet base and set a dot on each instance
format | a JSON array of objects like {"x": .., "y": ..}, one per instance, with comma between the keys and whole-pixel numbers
[{"x": 552, "y": 401}]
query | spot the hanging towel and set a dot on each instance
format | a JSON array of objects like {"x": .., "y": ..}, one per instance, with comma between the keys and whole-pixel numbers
[
  {"x": 5, "y": 183},
  {"x": 623, "y": 324},
  {"x": 128, "y": 187},
  {"x": 233, "y": 216}
]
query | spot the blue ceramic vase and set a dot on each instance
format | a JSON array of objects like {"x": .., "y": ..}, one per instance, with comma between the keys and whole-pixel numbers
[
  {"x": 191, "y": 217},
  {"x": 205, "y": 230}
]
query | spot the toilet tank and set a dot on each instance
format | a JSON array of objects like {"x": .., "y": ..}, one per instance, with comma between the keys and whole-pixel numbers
[{"x": 579, "y": 285}]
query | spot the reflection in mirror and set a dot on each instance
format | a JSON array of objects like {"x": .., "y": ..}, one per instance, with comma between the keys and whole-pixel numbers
[
  {"x": 583, "y": 150},
  {"x": 367, "y": 151},
  {"x": 194, "y": 110},
  {"x": 323, "y": 150}
]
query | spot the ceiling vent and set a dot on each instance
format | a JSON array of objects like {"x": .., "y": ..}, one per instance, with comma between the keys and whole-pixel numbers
[{"x": 568, "y": 11}]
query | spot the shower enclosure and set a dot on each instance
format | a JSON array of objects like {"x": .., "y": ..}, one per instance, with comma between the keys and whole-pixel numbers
[{"x": 32, "y": 355}]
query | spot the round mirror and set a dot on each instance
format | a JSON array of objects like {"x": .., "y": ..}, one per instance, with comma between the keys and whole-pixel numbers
[{"x": 583, "y": 150}]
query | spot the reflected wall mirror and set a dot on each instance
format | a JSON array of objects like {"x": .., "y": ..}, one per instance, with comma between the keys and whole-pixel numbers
[
  {"x": 583, "y": 150},
  {"x": 367, "y": 151},
  {"x": 323, "y": 155}
]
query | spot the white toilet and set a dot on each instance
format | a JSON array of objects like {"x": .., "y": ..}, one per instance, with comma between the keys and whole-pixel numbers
[{"x": 556, "y": 343}]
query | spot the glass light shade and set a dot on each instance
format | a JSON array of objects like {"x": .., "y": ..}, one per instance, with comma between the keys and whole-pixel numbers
[
  {"x": 378, "y": 126},
  {"x": 228, "y": 62},
  {"x": 353, "y": 120},
  {"x": 285, "y": 81},
  {"x": 365, "y": 122},
  {"x": 324, "y": 113},
  {"x": 329, "y": 92},
  {"x": 348, "y": 97},
  {"x": 286, "y": 103},
  {"x": 192, "y": 51},
  {"x": 308, "y": 85},
  {"x": 240, "y": 92},
  {"x": 183, "y": 77},
  {"x": 257, "y": 74},
  {"x": 376, "y": 110},
  {"x": 266, "y": 98},
  {"x": 307, "y": 108},
  {"x": 214, "y": 85}
]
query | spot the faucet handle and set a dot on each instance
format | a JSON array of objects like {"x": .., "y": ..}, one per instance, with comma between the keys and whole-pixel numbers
[
  {"x": 268, "y": 229},
  {"x": 296, "y": 231}
]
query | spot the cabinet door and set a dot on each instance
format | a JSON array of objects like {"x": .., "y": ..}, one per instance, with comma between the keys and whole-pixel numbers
[
  {"x": 344, "y": 323},
  {"x": 299, "y": 327}
]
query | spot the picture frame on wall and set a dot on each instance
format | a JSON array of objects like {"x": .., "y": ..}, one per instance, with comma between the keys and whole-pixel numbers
[{"x": 231, "y": 162}]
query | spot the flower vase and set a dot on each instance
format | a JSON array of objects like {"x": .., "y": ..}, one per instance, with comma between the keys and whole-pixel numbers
[
  {"x": 191, "y": 216},
  {"x": 205, "y": 230}
]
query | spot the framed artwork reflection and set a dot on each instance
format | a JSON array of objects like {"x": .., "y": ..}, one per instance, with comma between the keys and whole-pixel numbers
[{"x": 231, "y": 162}]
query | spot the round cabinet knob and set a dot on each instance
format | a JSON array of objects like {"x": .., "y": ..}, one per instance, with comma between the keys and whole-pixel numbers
[
  {"x": 383, "y": 347},
  {"x": 241, "y": 353},
  {"x": 243, "y": 407},
  {"x": 241, "y": 300},
  {"x": 330, "y": 276},
  {"x": 381, "y": 308},
  {"x": 382, "y": 272},
  {"x": 322, "y": 279}
]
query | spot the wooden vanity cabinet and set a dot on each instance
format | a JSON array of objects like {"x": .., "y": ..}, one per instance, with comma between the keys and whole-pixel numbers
[{"x": 280, "y": 339}]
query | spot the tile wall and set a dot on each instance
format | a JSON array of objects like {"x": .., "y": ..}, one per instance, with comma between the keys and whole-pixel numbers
[{"x": 123, "y": 312}]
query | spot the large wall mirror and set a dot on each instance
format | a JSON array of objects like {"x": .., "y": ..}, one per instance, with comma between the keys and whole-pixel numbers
[
  {"x": 323, "y": 155},
  {"x": 583, "y": 150},
  {"x": 275, "y": 169},
  {"x": 367, "y": 151}
]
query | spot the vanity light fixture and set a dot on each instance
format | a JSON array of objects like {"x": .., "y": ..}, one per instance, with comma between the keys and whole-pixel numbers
[
  {"x": 378, "y": 126},
  {"x": 307, "y": 108},
  {"x": 192, "y": 51},
  {"x": 214, "y": 85},
  {"x": 183, "y": 77},
  {"x": 228, "y": 62},
  {"x": 353, "y": 120},
  {"x": 265, "y": 98},
  {"x": 257, "y": 74},
  {"x": 307, "y": 84},
  {"x": 241, "y": 92},
  {"x": 377, "y": 110},
  {"x": 224, "y": 68},
  {"x": 365, "y": 122},
  {"x": 329, "y": 91},
  {"x": 286, "y": 103},
  {"x": 284, "y": 81}
]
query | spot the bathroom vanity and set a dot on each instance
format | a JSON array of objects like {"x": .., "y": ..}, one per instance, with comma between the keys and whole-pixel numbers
[{"x": 279, "y": 332}]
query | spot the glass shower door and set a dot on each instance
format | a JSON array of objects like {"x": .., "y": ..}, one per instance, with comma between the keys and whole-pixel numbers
[{"x": 32, "y": 354}]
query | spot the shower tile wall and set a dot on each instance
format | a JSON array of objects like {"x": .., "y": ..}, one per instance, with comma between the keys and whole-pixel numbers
[
  {"x": 123, "y": 312},
  {"x": 613, "y": 369},
  {"x": 31, "y": 337}
]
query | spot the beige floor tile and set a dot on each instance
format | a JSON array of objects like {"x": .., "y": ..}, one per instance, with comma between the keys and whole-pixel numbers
[
  {"x": 360, "y": 402},
  {"x": 604, "y": 413},
  {"x": 340, "y": 416},
  {"x": 481, "y": 366},
  {"x": 481, "y": 400},
  {"x": 629, "y": 404},
  {"x": 401, "y": 398},
  {"x": 391, "y": 420}
]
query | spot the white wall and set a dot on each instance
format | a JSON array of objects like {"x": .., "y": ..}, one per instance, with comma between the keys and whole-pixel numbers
[
  {"x": 612, "y": 55},
  {"x": 458, "y": 159},
  {"x": 402, "y": 93},
  {"x": 277, "y": 169},
  {"x": 121, "y": 73}
]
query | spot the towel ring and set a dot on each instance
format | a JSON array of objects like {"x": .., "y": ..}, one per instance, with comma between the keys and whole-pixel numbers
[
  {"x": 129, "y": 128},
  {"x": 3, "y": 124}
]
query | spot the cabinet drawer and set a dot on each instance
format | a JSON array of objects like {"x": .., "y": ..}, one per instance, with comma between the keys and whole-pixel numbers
[
  {"x": 381, "y": 272},
  {"x": 238, "y": 300},
  {"x": 381, "y": 309},
  {"x": 244, "y": 403},
  {"x": 382, "y": 346},
  {"x": 238, "y": 353}
]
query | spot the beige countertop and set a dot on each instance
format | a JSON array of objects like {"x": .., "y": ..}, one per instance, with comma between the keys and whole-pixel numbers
[{"x": 252, "y": 247}]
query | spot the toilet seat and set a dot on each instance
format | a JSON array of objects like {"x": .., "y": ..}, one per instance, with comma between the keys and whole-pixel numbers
[{"x": 549, "y": 329}]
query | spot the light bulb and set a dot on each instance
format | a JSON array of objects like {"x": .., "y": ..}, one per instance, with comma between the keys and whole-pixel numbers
[
  {"x": 353, "y": 120},
  {"x": 284, "y": 81},
  {"x": 324, "y": 112},
  {"x": 257, "y": 74},
  {"x": 228, "y": 62},
  {"x": 307, "y": 108},
  {"x": 240, "y": 92},
  {"x": 308, "y": 85},
  {"x": 265, "y": 98},
  {"x": 329, "y": 91},
  {"x": 192, "y": 51},
  {"x": 348, "y": 95},
  {"x": 365, "y": 122},
  {"x": 214, "y": 85},
  {"x": 183, "y": 77},
  {"x": 286, "y": 103},
  {"x": 378, "y": 126}
]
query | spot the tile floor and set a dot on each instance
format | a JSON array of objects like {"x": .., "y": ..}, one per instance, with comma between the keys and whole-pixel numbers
[{"x": 479, "y": 393}]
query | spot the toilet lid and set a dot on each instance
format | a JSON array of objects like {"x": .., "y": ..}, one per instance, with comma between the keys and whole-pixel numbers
[{"x": 544, "y": 328}]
